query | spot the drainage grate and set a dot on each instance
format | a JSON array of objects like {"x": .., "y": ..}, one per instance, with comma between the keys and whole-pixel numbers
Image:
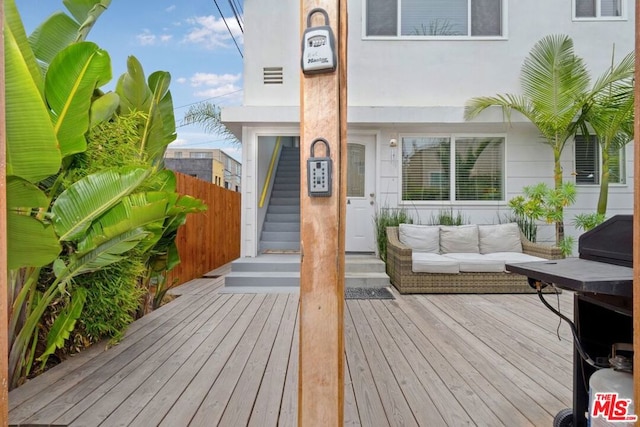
[{"x": 367, "y": 293}]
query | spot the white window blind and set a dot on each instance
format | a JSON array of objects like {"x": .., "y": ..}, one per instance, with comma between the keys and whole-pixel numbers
[
  {"x": 588, "y": 162},
  {"x": 425, "y": 168},
  {"x": 434, "y": 17},
  {"x": 598, "y": 8},
  {"x": 478, "y": 168}
]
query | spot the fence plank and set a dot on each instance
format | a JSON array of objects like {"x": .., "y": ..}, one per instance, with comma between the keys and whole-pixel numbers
[{"x": 210, "y": 239}]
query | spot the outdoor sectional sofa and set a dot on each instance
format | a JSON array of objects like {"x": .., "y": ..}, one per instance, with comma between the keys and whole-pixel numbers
[{"x": 461, "y": 259}]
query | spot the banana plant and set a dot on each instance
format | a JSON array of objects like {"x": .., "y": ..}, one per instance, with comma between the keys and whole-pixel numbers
[{"x": 154, "y": 99}]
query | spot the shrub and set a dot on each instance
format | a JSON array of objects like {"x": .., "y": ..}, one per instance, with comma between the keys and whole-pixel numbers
[{"x": 388, "y": 217}]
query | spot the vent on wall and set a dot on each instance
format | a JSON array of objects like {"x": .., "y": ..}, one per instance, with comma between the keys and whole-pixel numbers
[{"x": 272, "y": 75}]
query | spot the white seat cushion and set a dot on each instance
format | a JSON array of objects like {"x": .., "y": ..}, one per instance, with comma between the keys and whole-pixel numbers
[
  {"x": 424, "y": 262},
  {"x": 477, "y": 263},
  {"x": 514, "y": 257},
  {"x": 423, "y": 238}
]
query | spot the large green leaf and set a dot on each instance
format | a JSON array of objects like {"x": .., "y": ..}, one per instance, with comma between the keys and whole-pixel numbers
[
  {"x": 29, "y": 129},
  {"x": 51, "y": 36},
  {"x": 72, "y": 77},
  {"x": 13, "y": 25},
  {"x": 64, "y": 324},
  {"x": 103, "y": 108},
  {"x": 106, "y": 254},
  {"x": 31, "y": 243},
  {"x": 79, "y": 205},
  {"x": 134, "y": 211},
  {"x": 160, "y": 131},
  {"x": 86, "y": 12},
  {"x": 134, "y": 93}
]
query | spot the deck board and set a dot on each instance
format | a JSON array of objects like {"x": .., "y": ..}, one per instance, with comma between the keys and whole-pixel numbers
[{"x": 212, "y": 358}]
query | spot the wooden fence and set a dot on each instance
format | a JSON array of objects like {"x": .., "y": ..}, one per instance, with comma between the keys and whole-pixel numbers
[{"x": 209, "y": 239}]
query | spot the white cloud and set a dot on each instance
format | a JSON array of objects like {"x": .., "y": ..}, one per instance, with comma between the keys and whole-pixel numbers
[
  {"x": 211, "y": 85},
  {"x": 147, "y": 38},
  {"x": 170, "y": 8},
  {"x": 208, "y": 79},
  {"x": 181, "y": 80},
  {"x": 218, "y": 91},
  {"x": 211, "y": 32}
]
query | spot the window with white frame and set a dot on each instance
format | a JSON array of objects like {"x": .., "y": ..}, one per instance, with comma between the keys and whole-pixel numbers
[
  {"x": 446, "y": 168},
  {"x": 598, "y": 9},
  {"x": 434, "y": 18},
  {"x": 588, "y": 162}
]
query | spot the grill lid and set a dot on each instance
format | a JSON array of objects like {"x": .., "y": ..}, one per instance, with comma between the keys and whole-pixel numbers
[{"x": 610, "y": 242}]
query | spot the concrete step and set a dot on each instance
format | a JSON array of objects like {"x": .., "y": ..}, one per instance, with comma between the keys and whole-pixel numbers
[
  {"x": 286, "y": 193},
  {"x": 280, "y": 236},
  {"x": 282, "y": 201},
  {"x": 261, "y": 280},
  {"x": 280, "y": 246},
  {"x": 284, "y": 270},
  {"x": 282, "y": 217},
  {"x": 281, "y": 226},
  {"x": 287, "y": 186},
  {"x": 284, "y": 209}
]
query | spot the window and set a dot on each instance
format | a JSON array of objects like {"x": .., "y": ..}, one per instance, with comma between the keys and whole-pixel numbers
[
  {"x": 478, "y": 166},
  {"x": 201, "y": 155},
  {"x": 588, "y": 162},
  {"x": 434, "y": 18},
  {"x": 177, "y": 155},
  {"x": 598, "y": 9}
]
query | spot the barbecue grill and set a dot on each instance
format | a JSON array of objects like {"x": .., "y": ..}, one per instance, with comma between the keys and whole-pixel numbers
[{"x": 602, "y": 279}]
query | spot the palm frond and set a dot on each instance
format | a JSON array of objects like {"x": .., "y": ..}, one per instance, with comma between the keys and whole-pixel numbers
[{"x": 208, "y": 116}]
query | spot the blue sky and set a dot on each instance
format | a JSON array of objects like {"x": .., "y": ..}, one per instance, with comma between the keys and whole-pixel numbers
[{"x": 189, "y": 39}]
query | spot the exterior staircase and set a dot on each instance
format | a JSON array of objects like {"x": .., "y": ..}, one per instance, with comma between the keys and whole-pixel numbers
[
  {"x": 277, "y": 268},
  {"x": 281, "y": 229}
]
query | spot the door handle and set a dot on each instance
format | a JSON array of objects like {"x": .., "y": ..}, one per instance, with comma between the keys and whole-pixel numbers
[
  {"x": 372, "y": 194},
  {"x": 348, "y": 201}
]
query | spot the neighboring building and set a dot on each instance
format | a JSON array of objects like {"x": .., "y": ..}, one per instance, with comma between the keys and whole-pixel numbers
[
  {"x": 210, "y": 164},
  {"x": 412, "y": 66}
]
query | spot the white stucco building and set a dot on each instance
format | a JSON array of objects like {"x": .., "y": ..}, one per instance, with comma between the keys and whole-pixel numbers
[{"x": 412, "y": 65}]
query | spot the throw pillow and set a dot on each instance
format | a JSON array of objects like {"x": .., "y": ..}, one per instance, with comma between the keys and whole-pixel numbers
[
  {"x": 499, "y": 238},
  {"x": 459, "y": 239},
  {"x": 423, "y": 238}
]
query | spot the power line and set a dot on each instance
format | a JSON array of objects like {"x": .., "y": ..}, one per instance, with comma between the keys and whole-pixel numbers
[
  {"x": 208, "y": 99},
  {"x": 238, "y": 7},
  {"x": 235, "y": 13},
  {"x": 228, "y": 29}
]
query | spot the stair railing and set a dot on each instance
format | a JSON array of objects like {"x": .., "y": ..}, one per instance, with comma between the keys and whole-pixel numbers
[{"x": 267, "y": 181}]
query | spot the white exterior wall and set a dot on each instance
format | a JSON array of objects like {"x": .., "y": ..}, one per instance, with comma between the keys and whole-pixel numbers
[{"x": 398, "y": 87}]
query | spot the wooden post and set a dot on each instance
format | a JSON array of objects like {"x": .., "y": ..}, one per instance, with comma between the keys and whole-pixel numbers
[
  {"x": 323, "y": 114},
  {"x": 636, "y": 217},
  {"x": 4, "y": 304}
]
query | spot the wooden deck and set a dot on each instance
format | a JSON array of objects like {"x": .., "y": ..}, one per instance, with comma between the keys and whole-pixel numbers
[{"x": 211, "y": 358}]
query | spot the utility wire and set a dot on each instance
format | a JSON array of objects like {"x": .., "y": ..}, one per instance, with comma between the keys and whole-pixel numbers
[
  {"x": 208, "y": 99},
  {"x": 235, "y": 13},
  {"x": 228, "y": 29},
  {"x": 237, "y": 3}
]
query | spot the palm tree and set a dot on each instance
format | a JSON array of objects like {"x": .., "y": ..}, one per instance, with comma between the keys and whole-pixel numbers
[
  {"x": 610, "y": 117},
  {"x": 208, "y": 115},
  {"x": 555, "y": 91}
]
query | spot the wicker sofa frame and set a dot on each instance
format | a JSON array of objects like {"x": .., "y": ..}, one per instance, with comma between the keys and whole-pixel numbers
[{"x": 408, "y": 282}]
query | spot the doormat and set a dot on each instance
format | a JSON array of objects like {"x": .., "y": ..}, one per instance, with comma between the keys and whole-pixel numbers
[{"x": 367, "y": 293}]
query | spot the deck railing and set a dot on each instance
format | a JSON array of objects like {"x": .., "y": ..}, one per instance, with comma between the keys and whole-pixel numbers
[{"x": 210, "y": 239}]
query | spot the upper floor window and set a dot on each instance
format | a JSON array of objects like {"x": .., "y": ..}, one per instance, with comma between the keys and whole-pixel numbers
[
  {"x": 598, "y": 9},
  {"x": 588, "y": 162},
  {"x": 201, "y": 155},
  {"x": 434, "y": 18},
  {"x": 445, "y": 168}
]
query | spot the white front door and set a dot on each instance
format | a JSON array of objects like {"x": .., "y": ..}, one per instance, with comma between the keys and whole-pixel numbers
[{"x": 361, "y": 195}]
